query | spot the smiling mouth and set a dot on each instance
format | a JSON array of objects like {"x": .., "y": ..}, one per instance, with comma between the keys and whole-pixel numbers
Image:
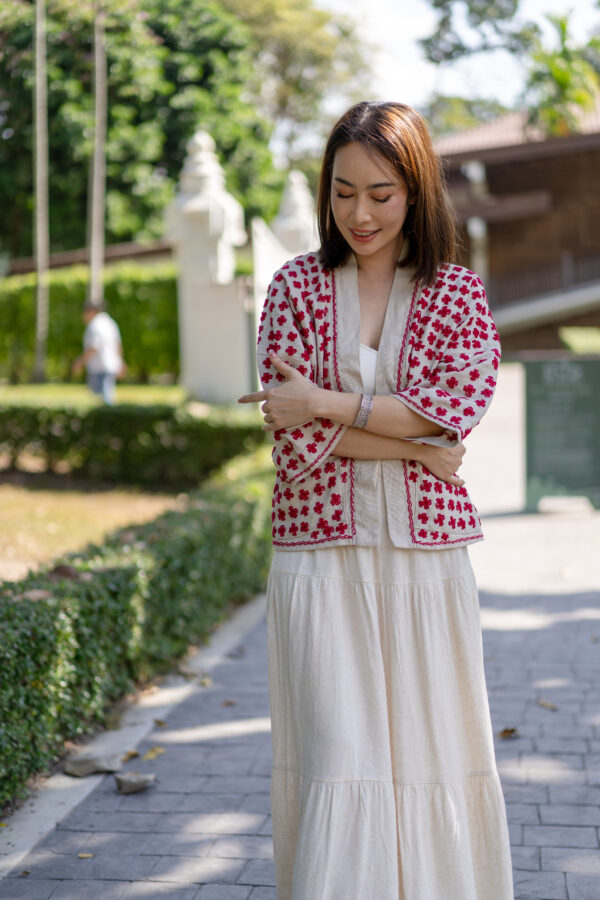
[{"x": 363, "y": 235}]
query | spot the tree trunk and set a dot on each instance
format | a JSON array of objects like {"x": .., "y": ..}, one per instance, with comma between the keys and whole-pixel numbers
[
  {"x": 41, "y": 192},
  {"x": 98, "y": 180}
]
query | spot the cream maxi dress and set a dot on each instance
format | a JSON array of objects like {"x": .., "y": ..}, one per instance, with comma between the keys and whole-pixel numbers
[{"x": 384, "y": 783}]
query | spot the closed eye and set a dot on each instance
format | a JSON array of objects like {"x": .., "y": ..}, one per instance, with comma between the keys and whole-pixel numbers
[{"x": 376, "y": 199}]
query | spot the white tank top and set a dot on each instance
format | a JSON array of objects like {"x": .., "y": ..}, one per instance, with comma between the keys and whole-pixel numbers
[{"x": 368, "y": 362}]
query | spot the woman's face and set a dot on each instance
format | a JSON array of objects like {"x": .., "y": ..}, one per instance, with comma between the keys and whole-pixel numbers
[{"x": 369, "y": 202}]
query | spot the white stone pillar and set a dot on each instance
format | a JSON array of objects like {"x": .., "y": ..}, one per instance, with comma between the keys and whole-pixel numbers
[
  {"x": 295, "y": 225},
  {"x": 477, "y": 228},
  {"x": 205, "y": 224}
]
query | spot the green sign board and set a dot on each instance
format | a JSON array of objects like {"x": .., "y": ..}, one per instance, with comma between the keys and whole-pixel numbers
[{"x": 562, "y": 428}]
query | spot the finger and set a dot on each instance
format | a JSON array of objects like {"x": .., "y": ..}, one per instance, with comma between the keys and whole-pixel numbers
[
  {"x": 282, "y": 366},
  {"x": 253, "y": 398},
  {"x": 455, "y": 480}
]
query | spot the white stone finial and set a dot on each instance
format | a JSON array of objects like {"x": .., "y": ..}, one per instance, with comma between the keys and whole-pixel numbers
[
  {"x": 202, "y": 172},
  {"x": 295, "y": 223},
  {"x": 205, "y": 222}
]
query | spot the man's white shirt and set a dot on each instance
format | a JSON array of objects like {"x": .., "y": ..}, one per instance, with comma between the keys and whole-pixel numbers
[{"x": 103, "y": 334}]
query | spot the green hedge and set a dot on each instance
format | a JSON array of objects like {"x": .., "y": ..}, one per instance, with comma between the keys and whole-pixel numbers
[
  {"x": 71, "y": 646},
  {"x": 141, "y": 298},
  {"x": 152, "y": 445}
]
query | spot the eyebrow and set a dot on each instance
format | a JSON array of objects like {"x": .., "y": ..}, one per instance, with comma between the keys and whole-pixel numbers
[{"x": 370, "y": 187}]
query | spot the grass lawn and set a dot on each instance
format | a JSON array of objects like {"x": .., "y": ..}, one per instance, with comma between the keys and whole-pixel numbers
[
  {"x": 47, "y": 515},
  {"x": 41, "y": 522},
  {"x": 79, "y": 395}
]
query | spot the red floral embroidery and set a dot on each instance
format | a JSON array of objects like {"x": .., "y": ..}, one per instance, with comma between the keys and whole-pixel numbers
[{"x": 446, "y": 371}]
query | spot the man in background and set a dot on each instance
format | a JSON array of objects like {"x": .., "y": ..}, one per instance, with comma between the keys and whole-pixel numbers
[{"x": 102, "y": 352}]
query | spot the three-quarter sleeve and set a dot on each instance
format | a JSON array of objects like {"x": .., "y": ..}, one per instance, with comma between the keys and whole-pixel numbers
[
  {"x": 288, "y": 329},
  {"x": 454, "y": 354}
]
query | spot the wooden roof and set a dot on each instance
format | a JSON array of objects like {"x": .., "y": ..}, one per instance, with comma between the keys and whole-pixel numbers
[{"x": 509, "y": 138}]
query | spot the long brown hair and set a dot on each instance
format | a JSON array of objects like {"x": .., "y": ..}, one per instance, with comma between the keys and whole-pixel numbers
[{"x": 399, "y": 134}]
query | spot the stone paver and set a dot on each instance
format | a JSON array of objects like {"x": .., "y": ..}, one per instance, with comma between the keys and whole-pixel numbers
[{"x": 204, "y": 831}]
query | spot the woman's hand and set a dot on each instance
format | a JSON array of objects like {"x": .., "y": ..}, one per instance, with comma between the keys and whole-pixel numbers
[
  {"x": 290, "y": 402},
  {"x": 443, "y": 462}
]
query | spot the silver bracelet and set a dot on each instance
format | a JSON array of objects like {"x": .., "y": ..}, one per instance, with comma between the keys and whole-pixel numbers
[{"x": 366, "y": 405}]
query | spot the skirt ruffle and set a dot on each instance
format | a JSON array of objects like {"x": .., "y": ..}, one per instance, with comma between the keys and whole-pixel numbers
[{"x": 384, "y": 781}]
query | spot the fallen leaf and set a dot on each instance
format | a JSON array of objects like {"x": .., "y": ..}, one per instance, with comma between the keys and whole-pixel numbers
[
  {"x": 85, "y": 855},
  {"x": 546, "y": 704},
  {"x": 161, "y": 723},
  {"x": 24, "y": 873},
  {"x": 153, "y": 752},
  {"x": 508, "y": 733},
  {"x": 229, "y": 703},
  {"x": 130, "y": 754},
  {"x": 37, "y": 594},
  {"x": 63, "y": 571},
  {"x": 206, "y": 681},
  {"x": 3, "y": 824}
]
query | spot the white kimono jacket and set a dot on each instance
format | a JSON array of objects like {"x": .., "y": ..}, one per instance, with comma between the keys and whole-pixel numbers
[{"x": 440, "y": 358}]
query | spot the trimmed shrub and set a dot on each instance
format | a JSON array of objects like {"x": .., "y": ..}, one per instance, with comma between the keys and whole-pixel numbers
[
  {"x": 151, "y": 445},
  {"x": 141, "y": 298},
  {"x": 127, "y": 610}
]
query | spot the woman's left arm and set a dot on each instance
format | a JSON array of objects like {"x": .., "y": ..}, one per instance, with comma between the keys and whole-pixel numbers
[
  {"x": 450, "y": 399},
  {"x": 298, "y": 400}
]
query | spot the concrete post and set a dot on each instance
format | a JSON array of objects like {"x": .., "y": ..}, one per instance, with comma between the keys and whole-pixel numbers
[
  {"x": 295, "y": 225},
  {"x": 205, "y": 224}
]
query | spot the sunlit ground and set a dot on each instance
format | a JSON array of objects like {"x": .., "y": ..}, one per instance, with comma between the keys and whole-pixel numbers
[
  {"x": 39, "y": 525},
  {"x": 79, "y": 396}
]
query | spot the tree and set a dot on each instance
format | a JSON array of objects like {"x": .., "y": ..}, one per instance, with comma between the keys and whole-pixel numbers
[
  {"x": 303, "y": 56},
  {"x": 41, "y": 192},
  {"x": 173, "y": 66},
  {"x": 561, "y": 81},
  {"x": 446, "y": 113},
  {"x": 97, "y": 196},
  {"x": 467, "y": 27}
]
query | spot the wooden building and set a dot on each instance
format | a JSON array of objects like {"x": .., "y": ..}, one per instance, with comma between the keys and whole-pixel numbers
[{"x": 529, "y": 208}]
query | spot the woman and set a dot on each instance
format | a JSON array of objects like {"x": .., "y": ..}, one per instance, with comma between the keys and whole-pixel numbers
[{"x": 377, "y": 356}]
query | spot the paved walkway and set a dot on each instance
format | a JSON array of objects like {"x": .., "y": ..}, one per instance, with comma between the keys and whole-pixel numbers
[{"x": 203, "y": 833}]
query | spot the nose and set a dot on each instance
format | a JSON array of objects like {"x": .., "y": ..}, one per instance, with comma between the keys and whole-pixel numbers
[{"x": 361, "y": 212}]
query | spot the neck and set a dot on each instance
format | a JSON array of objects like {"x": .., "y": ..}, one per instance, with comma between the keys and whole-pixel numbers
[{"x": 378, "y": 265}]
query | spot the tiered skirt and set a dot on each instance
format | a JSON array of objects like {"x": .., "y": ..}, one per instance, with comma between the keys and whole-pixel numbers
[{"x": 384, "y": 782}]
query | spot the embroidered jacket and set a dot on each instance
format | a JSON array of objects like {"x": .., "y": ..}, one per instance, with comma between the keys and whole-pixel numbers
[{"x": 439, "y": 356}]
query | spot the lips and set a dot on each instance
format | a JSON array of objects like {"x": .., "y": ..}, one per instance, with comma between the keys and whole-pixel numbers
[{"x": 363, "y": 236}]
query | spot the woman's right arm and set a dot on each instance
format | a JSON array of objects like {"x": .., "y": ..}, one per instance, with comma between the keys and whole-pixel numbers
[{"x": 441, "y": 461}]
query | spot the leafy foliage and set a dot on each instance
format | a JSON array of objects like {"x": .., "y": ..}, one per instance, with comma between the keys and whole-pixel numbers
[
  {"x": 141, "y": 298},
  {"x": 172, "y": 66},
  {"x": 70, "y": 646},
  {"x": 303, "y": 53},
  {"x": 446, "y": 114},
  {"x": 467, "y": 27},
  {"x": 561, "y": 81},
  {"x": 152, "y": 445}
]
